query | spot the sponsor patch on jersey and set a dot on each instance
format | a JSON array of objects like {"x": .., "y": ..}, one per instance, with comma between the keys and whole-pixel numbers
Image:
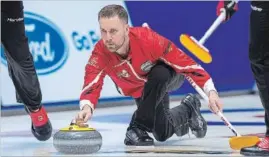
[
  {"x": 123, "y": 73},
  {"x": 147, "y": 66},
  {"x": 93, "y": 62}
]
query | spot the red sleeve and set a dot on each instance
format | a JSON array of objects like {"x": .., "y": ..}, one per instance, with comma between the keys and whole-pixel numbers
[
  {"x": 93, "y": 80},
  {"x": 167, "y": 51}
]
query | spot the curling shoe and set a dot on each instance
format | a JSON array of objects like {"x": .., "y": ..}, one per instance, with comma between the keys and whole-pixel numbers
[
  {"x": 41, "y": 126},
  {"x": 260, "y": 149},
  {"x": 197, "y": 123},
  {"x": 137, "y": 137}
]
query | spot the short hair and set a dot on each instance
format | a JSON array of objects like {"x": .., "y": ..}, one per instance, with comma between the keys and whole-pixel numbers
[{"x": 113, "y": 10}]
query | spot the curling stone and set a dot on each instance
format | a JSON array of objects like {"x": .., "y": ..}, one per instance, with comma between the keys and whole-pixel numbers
[{"x": 77, "y": 140}]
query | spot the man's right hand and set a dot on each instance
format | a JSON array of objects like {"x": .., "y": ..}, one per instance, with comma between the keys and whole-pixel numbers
[
  {"x": 230, "y": 7},
  {"x": 84, "y": 115}
]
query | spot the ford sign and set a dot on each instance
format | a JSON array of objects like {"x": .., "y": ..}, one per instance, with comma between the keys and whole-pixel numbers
[{"x": 46, "y": 43}]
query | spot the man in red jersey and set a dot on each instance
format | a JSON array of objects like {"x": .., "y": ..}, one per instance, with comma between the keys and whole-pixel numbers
[{"x": 145, "y": 66}]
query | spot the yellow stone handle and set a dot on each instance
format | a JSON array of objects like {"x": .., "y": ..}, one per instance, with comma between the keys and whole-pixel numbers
[{"x": 77, "y": 128}]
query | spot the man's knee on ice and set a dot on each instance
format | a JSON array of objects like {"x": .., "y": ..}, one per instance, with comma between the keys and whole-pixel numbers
[
  {"x": 161, "y": 73},
  {"x": 176, "y": 82}
]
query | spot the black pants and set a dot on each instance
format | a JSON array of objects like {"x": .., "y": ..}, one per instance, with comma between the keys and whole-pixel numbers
[
  {"x": 19, "y": 59},
  {"x": 153, "y": 113},
  {"x": 259, "y": 56}
]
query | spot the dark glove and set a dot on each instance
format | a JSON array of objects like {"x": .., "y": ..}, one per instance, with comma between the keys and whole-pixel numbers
[{"x": 229, "y": 6}]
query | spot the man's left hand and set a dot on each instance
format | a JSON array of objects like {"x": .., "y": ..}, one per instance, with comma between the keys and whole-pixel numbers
[{"x": 214, "y": 102}]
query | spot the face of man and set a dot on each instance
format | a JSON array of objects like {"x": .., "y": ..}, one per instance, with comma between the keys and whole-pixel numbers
[{"x": 113, "y": 32}]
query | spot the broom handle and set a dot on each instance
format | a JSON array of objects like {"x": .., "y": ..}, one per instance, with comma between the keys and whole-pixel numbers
[
  {"x": 213, "y": 27},
  {"x": 217, "y": 22},
  {"x": 205, "y": 97}
]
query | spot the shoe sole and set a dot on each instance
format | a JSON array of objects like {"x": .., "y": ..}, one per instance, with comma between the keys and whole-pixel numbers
[
  {"x": 200, "y": 133},
  {"x": 129, "y": 142},
  {"x": 254, "y": 153},
  {"x": 42, "y": 137}
]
